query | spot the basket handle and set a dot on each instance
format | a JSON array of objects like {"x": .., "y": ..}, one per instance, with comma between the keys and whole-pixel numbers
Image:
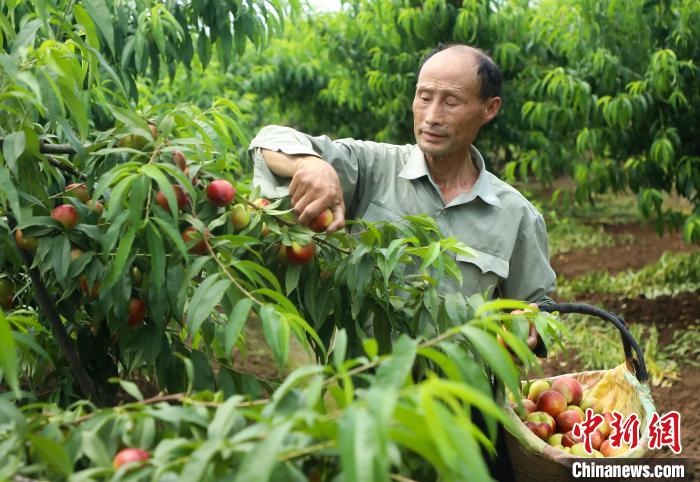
[{"x": 628, "y": 341}]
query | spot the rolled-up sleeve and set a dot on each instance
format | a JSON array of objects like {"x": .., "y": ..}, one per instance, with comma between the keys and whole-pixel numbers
[
  {"x": 347, "y": 157},
  {"x": 530, "y": 276}
]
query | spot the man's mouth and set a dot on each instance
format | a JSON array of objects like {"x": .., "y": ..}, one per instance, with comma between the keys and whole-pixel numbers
[{"x": 432, "y": 135}]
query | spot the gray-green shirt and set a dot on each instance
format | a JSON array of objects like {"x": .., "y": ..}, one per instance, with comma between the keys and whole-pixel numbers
[{"x": 384, "y": 182}]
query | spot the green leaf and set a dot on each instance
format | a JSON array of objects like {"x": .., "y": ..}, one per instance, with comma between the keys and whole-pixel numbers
[
  {"x": 137, "y": 199},
  {"x": 110, "y": 238},
  {"x": 12, "y": 147},
  {"x": 83, "y": 17},
  {"x": 394, "y": 371},
  {"x": 23, "y": 341},
  {"x": 500, "y": 305},
  {"x": 203, "y": 375},
  {"x": 26, "y": 36},
  {"x": 199, "y": 460},
  {"x": 292, "y": 381},
  {"x": 262, "y": 459},
  {"x": 52, "y": 454},
  {"x": 203, "y": 48},
  {"x": 158, "y": 262},
  {"x": 340, "y": 347},
  {"x": 371, "y": 348},
  {"x": 431, "y": 254},
  {"x": 456, "y": 308},
  {"x": 8, "y": 356},
  {"x": 164, "y": 185},
  {"x": 236, "y": 321},
  {"x": 283, "y": 303},
  {"x": 291, "y": 278},
  {"x": 276, "y": 331},
  {"x": 357, "y": 445},
  {"x": 60, "y": 259},
  {"x": 11, "y": 415},
  {"x": 205, "y": 298},
  {"x": 245, "y": 267},
  {"x": 94, "y": 448},
  {"x": 495, "y": 356},
  {"x": 116, "y": 269},
  {"x": 174, "y": 236},
  {"x": 224, "y": 419},
  {"x": 129, "y": 387},
  {"x": 102, "y": 17},
  {"x": 8, "y": 193}
]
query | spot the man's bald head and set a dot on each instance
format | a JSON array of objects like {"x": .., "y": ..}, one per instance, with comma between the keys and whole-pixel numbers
[{"x": 488, "y": 73}]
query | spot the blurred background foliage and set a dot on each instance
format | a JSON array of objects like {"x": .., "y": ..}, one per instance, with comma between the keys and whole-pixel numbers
[{"x": 603, "y": 91}]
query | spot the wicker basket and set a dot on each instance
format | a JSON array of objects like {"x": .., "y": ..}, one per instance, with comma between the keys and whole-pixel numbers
[{"x": 533, "y": 459}]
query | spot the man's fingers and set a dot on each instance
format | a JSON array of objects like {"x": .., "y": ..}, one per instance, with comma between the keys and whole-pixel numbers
[
  {"x": 311, "y": 210},
  {"x": 338, "y": 217},
  {"x": 301, "y": 204},
  {"x": 533, "y": 338},
  {"x": 294, "y": 191}
]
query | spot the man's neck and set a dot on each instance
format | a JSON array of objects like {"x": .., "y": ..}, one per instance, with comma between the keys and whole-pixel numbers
[{"x": 453, "y": 175}]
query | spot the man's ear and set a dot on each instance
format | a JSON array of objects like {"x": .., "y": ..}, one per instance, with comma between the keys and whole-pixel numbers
[{"x": 491, "y": 108}]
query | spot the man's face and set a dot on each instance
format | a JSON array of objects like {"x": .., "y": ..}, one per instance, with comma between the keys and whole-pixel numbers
[{"x": 447, "y": 110}]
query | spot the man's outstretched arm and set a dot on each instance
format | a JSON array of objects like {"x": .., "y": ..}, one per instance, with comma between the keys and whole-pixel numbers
[
  {"x": 314, "y": 185},
  {"x": 322, "y": 173}
]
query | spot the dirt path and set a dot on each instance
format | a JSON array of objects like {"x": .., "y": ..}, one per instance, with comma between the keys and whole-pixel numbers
[{"x": 640, "y": 247}]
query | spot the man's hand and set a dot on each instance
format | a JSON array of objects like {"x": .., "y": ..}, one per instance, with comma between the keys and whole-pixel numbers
[
  {"x": 533, "y": 338},
  {"x": 315, "y": 186}
]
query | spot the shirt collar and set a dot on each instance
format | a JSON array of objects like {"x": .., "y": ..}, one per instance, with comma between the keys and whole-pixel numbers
[{"x": 416, "y": 167}]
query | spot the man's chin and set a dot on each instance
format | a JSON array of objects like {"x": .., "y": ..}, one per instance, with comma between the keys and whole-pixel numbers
[{"x": 430, "y": 149}]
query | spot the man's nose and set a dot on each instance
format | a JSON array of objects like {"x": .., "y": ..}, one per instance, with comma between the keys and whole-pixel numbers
[{"x": 432, "y": 113}]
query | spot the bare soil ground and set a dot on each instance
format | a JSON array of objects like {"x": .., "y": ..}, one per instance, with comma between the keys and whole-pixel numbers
[
  {"x": 671, "y": 314},
  {"x": 641, "y": 246}
]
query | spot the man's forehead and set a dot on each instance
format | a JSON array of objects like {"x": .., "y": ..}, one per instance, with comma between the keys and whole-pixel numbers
[
  {"x": 441, "y": 85},
  {"x": 455, "y": 67}
]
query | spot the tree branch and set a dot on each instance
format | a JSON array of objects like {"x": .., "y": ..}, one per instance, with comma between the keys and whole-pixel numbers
[
  {"x": 56, "y": 148},
  {"x": 56, "y": 163},
  {"x": 48, "y": 307}
]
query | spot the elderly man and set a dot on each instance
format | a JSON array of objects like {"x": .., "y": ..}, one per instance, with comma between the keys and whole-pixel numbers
[{"x": 443, "y": 176}]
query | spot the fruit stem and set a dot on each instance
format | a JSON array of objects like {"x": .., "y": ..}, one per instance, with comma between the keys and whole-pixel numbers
[
  {"x": 316, "y": 237},
  {"x": 292, "y": 454},
  {"x": 171, "y": 397},
  {"x": 331, "y": 245},
  {"x": 228, "y": 274}
]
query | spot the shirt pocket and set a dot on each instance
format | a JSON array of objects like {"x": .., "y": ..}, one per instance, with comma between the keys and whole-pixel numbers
[
  {"x": 378, "y": 212},
  {"x": 482, "y": 273}
]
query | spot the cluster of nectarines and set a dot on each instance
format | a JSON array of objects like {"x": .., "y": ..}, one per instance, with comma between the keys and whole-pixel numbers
[
  {"x": 552, "y": 409},
  {"x": 219, "y": 192}
]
